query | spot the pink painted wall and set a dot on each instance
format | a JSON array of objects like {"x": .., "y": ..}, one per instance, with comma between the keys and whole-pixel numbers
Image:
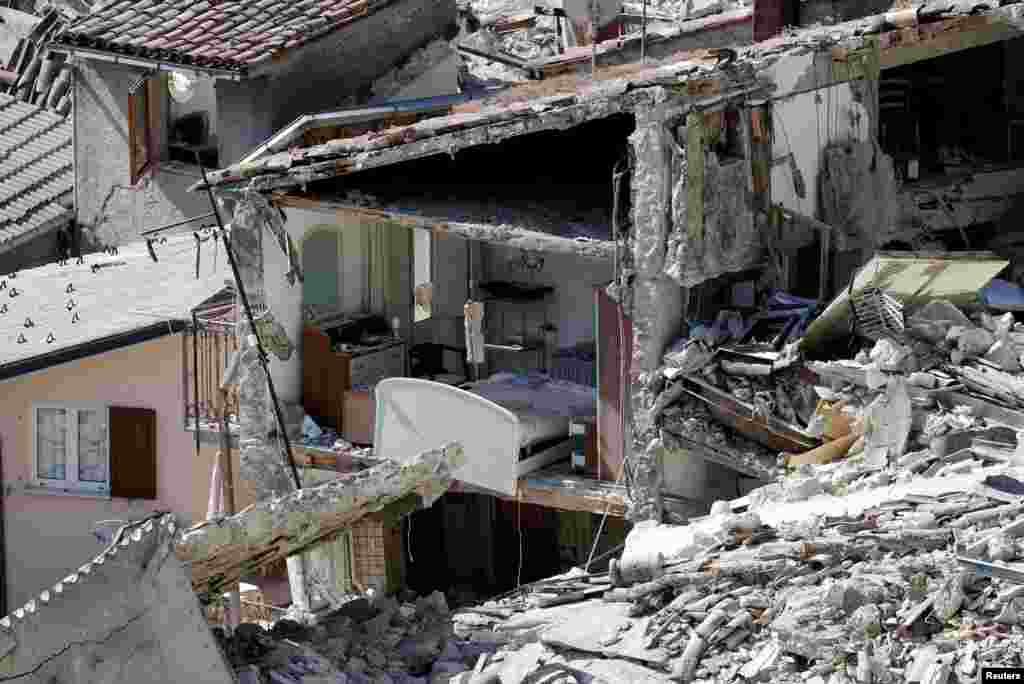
[{"x": 46, "y": 535}]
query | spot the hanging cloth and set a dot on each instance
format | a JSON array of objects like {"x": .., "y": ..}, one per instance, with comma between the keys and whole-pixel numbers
[
  {"x": 215, "y": 506},
  {"x": 474, "y": 314}
]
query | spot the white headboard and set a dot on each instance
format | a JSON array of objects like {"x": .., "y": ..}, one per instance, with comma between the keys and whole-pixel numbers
[{"x": 415, "y": 415}]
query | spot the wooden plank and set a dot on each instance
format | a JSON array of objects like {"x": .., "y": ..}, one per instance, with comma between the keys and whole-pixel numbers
[
  {"x": 917, "y": 44},
  {"x": 703, "y": 87},
  {"x": 566, "y": 499}
]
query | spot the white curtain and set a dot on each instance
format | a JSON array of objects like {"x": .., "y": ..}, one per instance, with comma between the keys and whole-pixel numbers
[
  {"x": 92, "y": 446},
  {"x": 51, "y": 443},
  {"x": 390, "y": 252}
]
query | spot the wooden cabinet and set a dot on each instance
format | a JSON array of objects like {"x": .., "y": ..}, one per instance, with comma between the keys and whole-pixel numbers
[{"x": 327, "y": 375}]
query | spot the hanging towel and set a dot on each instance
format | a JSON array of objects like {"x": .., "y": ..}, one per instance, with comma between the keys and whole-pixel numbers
[
  {"x": 474, "y": 313},
  {"x": 215, "y": 506}
]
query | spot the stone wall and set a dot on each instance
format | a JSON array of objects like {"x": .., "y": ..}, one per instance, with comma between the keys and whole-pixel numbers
[
  {"x": 111, "y": 211},
  {"x": 332, "y": 73}
]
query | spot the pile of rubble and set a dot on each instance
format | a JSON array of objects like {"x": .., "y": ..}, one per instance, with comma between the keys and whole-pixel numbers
[
  {"x": 388, "y": 642},
  {"x": 909, "y": 581},
  {"x": 887, "y": 547}
]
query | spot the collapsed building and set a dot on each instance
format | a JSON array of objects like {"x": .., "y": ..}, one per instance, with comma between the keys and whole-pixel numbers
[
  {"x": 699, "y": 191},
  {"x": 722, "y": 219}
]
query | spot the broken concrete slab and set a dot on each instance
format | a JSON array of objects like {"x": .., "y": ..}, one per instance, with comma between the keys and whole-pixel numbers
[
  {"x": 518, "y": 667},
  {"x": 221, "y": 551},
  {"x": 596, "y": 626}
]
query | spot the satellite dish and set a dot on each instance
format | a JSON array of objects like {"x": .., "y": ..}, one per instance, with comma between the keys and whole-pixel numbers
[{"x": 181, "y": 86}]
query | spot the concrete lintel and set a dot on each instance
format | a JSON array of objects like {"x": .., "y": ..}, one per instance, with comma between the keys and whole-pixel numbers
[
  {"x": 417, "y": 141},
  {"x": 507, "y": 235}
]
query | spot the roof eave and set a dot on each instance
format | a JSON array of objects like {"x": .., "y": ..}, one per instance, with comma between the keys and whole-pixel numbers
[
  {"x": 241, "y": 73},
  {"x": 84, "y": 350}
]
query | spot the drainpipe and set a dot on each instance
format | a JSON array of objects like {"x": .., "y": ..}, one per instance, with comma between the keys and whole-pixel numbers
[
  {"x": 76, "y": 236},
  {"x": 3, "y": 539}
]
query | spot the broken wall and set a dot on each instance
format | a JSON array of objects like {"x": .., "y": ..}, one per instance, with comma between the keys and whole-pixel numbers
[
  {"x": 803, "y": 126},
  {"x": 654, "y": 303},
  {"x": 859, "y": 194},
  {"x": 713, "y": 230}
]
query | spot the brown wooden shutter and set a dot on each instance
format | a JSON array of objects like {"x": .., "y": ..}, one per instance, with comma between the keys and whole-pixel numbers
[{"x": 132, "y": 452}]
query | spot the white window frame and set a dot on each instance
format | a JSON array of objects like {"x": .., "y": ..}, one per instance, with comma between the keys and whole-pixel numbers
[{"x": 71, "y": 481}]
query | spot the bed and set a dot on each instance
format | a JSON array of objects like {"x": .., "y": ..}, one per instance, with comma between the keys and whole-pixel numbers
[{"x": 508, "y": 425}]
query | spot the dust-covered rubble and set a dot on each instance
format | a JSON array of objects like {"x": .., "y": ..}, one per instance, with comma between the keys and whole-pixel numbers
[{"x": 887, "y": 545}]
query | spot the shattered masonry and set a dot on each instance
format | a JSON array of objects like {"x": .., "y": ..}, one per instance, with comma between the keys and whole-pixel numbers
[
  {"x": 262, "y": 459},
  {"x": 219, "y": 552}
]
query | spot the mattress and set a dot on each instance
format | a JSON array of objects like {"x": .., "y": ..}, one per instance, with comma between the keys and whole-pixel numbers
[
  {"x": 544, "y": 406},
  {"x": 536, "y": 427}
]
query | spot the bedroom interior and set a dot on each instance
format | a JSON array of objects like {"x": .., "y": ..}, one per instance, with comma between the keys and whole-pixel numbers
[{"x": 542, "y": 393}]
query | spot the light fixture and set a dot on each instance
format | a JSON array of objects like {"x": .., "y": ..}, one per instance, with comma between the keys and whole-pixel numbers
[
  {"x": 181, "y": 86},
  {"x": 531, "y": 261}
]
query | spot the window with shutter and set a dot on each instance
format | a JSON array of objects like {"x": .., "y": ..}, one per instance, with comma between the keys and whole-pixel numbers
[
  {"x": 95, "y": 449},
  {"x": 71, "y": 447},
  {"x": 132, "y": 452}
]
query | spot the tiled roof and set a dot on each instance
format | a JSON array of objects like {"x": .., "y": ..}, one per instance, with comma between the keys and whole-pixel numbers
[
  {"x": 124, "y": 293},
  {"x": 220, "y": 35},
  {"x": 564, "y": 101},
  {"x": 35, "y": 168},
  {"x": 36, "y": 75}
]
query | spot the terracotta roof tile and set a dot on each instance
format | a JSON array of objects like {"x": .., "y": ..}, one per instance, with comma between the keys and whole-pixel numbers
[
  {"x": 237, "y": 34},
  {"x": 35, "y": 167}
]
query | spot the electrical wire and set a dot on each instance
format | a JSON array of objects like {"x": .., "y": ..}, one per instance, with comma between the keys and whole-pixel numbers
[{"x": 519, "y": 529}]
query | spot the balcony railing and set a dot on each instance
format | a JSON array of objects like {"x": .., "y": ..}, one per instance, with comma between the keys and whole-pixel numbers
[{"x": 208, "y": 350}]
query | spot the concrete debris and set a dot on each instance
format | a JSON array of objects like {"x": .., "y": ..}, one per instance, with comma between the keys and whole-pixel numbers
[
  {"x": 894, "y": 560},
  {"x": 401, "y": 643}
]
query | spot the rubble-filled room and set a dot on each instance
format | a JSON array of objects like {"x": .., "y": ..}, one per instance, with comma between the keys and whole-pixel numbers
[
  {"x": 959, "y": 161},
  {"x": 931, "y": 135},
  {"x": 549, "y": 352}
]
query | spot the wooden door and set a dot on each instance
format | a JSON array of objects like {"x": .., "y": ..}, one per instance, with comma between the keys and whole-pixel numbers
[{"x": 612, "y": 326}]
